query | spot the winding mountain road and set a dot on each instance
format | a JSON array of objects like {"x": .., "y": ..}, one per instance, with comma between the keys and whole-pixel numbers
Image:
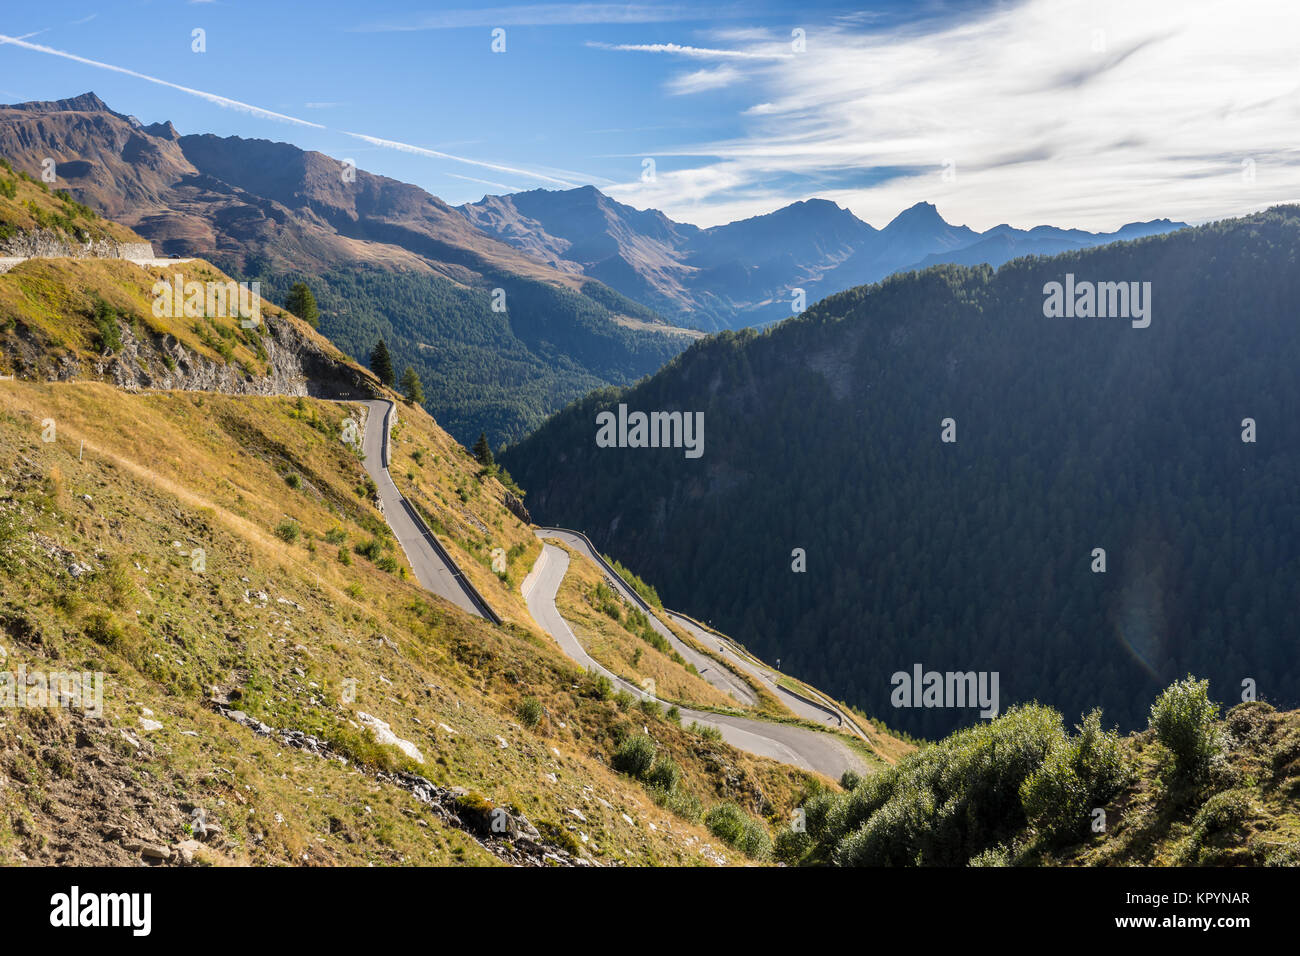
[
  {"x": 433, "y": 567},
  {"x": 800, "y": 746},
  {"x": 824, "y": 711},
  {"x": 436, "y": 571},
  {"x": 717, "y": 675},
  {"x": 720, "y": 676}
]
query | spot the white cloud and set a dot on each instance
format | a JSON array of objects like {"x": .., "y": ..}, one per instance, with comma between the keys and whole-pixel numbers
[
  {"x": 694, "y": 52},
  {"x": 1087, "y": 114},
  {"x": 703, "y": 80}
]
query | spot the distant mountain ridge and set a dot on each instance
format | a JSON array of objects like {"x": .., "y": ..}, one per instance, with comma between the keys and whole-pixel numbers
[
  {"x": 744, "y": 273},
  {"x": 384, "y": 259}
]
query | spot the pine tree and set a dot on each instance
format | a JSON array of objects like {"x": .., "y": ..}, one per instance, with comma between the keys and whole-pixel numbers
[
  {"x": 381, "y": 363},
  {"x": 483, "y": 451},
  {"x": 411, "y": 387},
  {"x": 303, "y": 304}
]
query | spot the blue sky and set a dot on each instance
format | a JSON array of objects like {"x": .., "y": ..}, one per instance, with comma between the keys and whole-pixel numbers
[{"x": 1090, "y": 113}]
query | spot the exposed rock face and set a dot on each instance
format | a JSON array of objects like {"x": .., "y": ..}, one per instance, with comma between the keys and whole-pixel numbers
[
  {"x": 51, "y": 244},
  {"x": 516, "y": 506},
  {"x": 296, "y": 366}
]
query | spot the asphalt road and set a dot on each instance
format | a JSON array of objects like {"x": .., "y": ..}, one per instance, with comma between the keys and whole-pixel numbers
[
  {"x": 720, "y": 677},
  {"x": 433, "y": 573},
  {"x": 809, "y": 749},
  {"x": 806, "y": 707}
]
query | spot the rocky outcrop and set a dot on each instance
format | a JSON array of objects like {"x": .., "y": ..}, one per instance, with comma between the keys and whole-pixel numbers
[
  {"x": 516, "y": 506},
  {"x": 49, "y": 244},
  {"x": 296, "y": 364}
]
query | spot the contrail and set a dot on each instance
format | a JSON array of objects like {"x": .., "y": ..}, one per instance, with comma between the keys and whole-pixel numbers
[
  {"x": 228, "y": 103},
  {"x": 225, "y": 101}
]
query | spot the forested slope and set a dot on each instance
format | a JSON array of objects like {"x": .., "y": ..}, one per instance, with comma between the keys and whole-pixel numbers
[{"x": 824, "y": 434}]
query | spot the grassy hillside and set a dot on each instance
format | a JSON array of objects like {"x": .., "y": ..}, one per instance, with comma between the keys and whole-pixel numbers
[
  {"x": 301, "y": 593},
  {"x": 27, "y": 204}
]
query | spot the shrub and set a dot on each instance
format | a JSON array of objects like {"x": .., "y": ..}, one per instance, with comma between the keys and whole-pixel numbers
[
  {"x": 293, "y": 480},
  {"x": 678, "y": 801},
  {"x": 1059, "y": 796},
  {"x": 1222, "y": 813},
  {"x": 530, "y": 711},
  {"x": 674, "y": 714},
  {"x": 372, "y": 549},
  {"x": 596, "y": 685},
  {"x": 817, "y": 810},
  {"x": 1183, "y": 718},
  {"x": 791, "y": 846},
  {"x": 707, "y": 731},
  {"x": 105, "y": 630},
  {"x": 105, "y": 318},
  {"x": 948, "y": 802},
  {"x": 288, "y": 531},
  {"x": 850, "y": 779},
  {"x": 665, "y": 774},
  {"x": 736, "y": 828},
  {"x": 635, "y": 756},
  {"x": 651, "y": 707},
  {"x": 994, "y": 856}
]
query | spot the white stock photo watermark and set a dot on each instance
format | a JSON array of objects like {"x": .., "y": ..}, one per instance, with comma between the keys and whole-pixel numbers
[
  {"x": 76, "y": 909},
  {"x": 1098, "y": 300},
  {"x": 74, "y": 690},
  {"x": 954, "y": 689},
  {"x": 217, "y": 300},
  {"x": 651, "y": 430}
]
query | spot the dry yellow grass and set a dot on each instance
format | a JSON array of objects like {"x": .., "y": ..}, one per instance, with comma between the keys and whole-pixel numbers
[{"x": 164, "y": 474}]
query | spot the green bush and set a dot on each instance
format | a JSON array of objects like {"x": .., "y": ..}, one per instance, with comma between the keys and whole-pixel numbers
[
  {"x": 1059, "y": 796},
  {"x": 530, "y": 711},
  {"x": 597, "y": 685},
  {"x": 372, "y": 549},
  {"x": 288, "y": 531},
  {"x": 850, "y": 779},
  {"x": 895, "y": 835},
  {"x": 791, "y": 846},
  {"x": 1222, "y": 813},
  {"x": 994, "y": 856},
  {"x": 1183, "y": 718},
  {"x": 105, "y": 318},
  {"x": 678, "y": 801},
  {"x": 736, "y": 828},
  {"x": 948, "y": 802},
  {"x": 293, "y": 480},
  {"x": 665, "y": 774},
  {"x": 707, "y": 731},
  {"x": 635, "y": 756}
]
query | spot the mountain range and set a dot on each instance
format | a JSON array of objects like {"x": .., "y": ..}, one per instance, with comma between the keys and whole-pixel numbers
[
  {"x": 596, "y": 292},
  {"x": 277, "y": 213},
  {"x": 744, "y": 273}
]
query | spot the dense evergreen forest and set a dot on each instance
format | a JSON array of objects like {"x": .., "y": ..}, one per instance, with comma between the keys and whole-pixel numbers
[
  {"x": 483, "y": 370},
  {"x": 1072, "y": 434}
]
